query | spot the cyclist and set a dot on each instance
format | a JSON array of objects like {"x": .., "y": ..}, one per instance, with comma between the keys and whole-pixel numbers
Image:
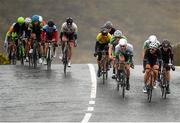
[
  {"x": 123, "y": 53},
  {"x": 168, "y": 58},
  {"x": 16, "y": 30},
  {"x": 152, "y": 59},
  {"x": 69, "y": 32},
  {"x": 27, "y": 35},
  {"x": 8, "y": 40},
  {"x": 36, "y": 31},
  {"x": 102, "y": 40},
  {"x": 151, "y": 39},
  {"x": 108, "y": 25},
  {"x": 114, "y": 41},
  {"x": 50, "y": 33}
]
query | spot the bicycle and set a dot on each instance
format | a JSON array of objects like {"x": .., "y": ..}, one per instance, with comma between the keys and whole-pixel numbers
[
  {"x": 12, "y": 53},
  {"x": 33, "y": 57},
  {"x": 163, "y": 78},
  {"x": 150, "y": 83},
  {"x": 104, "y": 65},
  {"x": 49, "y": 55},
  {"x": 65, "y": 55},
  {"x": 21, "y": 49},
  {"x": 121, "y": 77}
]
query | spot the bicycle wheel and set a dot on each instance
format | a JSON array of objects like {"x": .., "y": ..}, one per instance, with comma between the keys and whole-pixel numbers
[
  {"x": 149, "y": 93},
  {"x": 21, "y": 54},
  {"x": 30, "y": 59},
  {"x": 13, "y": 58},
  {"x": 103, "y": 73},
  {"x": 65, "y": 61},
  {"x": 49, "y": 59},
  {"x": 35, "y": 54},
  {"x": 123, "y": 85},
  {"x": 107, "y": 70},
  {"x": 163, "y": 89}
]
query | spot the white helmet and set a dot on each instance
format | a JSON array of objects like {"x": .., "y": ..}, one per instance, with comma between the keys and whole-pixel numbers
[
  {"x": 152, "y": 39},
  {"x": 40, "y": 18},
  {"x": 122, "y": 42},
  {"x": 153, "y": 45},
  {"x": 117, "y": 33},
  {"x": 27, "y": 20}
]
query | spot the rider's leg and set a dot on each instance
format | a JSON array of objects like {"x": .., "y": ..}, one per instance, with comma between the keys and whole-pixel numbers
[
  {"x": 148, "y": 67},
  {"x": 156, "y": 71},
  {"x": 70, "y": 53},
  {"x": 99, "y": 66}
]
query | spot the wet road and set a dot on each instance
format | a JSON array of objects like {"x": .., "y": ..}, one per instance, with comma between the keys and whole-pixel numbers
[{"x": 41, "y": 95}]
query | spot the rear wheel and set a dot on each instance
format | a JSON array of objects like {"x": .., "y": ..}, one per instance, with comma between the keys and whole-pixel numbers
[{"x": 65, "y": 61}]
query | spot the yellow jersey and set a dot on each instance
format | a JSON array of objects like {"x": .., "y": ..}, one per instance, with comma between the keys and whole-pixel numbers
[{"x": 103, "y": 40}]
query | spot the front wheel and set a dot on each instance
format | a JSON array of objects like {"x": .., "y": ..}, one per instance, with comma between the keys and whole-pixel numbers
[{"x": 49, "y": 59}]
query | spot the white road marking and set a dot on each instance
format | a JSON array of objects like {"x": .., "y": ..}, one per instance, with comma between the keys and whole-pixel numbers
[
  {"x": 90, "y": 108},
  {"x": 93, "y": 93},
  {"x": 91, "y": 102},
  {"x": 86, "y": 118},
  {"x": 93, "y": 80}
]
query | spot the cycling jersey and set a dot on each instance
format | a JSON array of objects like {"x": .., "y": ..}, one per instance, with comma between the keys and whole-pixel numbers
[
  {"x": 103, "y": 40},
  {"x": 127, "y": 53},
  {"x": 167, "y": 55},
  {"x": 70, "y": 32},
  {"x": 50, "y": 33},
  {"x": 152, "y": 59}
]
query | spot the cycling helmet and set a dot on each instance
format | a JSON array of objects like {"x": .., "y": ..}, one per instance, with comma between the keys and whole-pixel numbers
[
  {"x": 104, "y": 31},
  {"x": 152, "y": 39},
  {"x": 165, "y": 43},
  {"x": 28, "y": 20},
  {"x": 35, "y": 18},
  {"x": 50, "y": 23},
  {"x": 40, "y": 18},
  {"x": 122, "y": 42},
  {"x": 20, "y": 20},
  {"x": 117, "y": 33},
  {"x": 108, "y": 25},
  {"x": 69, "y": 21},
  {"x": 153, "y": 45}
]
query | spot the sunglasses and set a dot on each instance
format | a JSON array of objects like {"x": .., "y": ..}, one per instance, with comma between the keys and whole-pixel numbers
[
  {"x": 123, "y": 46},
  {"x": 152, "y": 49}
]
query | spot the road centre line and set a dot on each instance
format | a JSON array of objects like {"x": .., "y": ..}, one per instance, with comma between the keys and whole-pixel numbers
[{"x": 93, "y": 93}]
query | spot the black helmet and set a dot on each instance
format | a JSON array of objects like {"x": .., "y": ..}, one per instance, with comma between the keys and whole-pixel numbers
[
  {"x": 69, "y": 21},
  {"x": 104, "y": 31},
  {"x": 50, "y": 23},
  {"x": 165, "y": 43}
]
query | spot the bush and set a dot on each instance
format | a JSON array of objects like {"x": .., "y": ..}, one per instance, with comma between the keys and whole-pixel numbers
[
  {"x": 3, "y": 59},
  {"x": 176, "y": 50}
]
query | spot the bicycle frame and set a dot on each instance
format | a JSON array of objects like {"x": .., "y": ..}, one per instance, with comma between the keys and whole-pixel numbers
[
  {"x": 150, "y": 83},
  {"x": 21, "y": 49},
  {"x": 164, "y": 81},
  {"x": 104, "y": 65},
  {"x": 49, "y": 54},
  {"x": 121, "y": 77},
  {"x": 65, "y": 55}
]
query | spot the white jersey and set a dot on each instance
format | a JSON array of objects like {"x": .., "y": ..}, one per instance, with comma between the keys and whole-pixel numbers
[
  {"x": 129, "y": 49},
  {"x": 72, "y": 29}
]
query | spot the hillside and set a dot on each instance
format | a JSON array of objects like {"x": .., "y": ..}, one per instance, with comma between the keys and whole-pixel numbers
[{"x": 136, "y": 18}]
